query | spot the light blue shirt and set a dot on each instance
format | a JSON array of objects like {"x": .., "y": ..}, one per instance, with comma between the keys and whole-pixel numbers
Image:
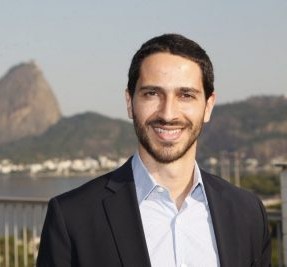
[{"x": 175, "y": 238}]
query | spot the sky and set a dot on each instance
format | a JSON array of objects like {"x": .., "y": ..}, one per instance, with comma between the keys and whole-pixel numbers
[{"x": 84, "y": 48}]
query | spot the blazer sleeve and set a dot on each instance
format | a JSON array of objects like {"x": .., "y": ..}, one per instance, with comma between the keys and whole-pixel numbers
[{"x": 55, "y": 244}]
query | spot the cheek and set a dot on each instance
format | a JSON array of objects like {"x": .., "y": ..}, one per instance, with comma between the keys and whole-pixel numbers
[
  {"x": 139, "y": 114},
  {"x": 194, "y": 113},
  {"x": 189, "y": 109},
  {"x": 144, "y": 110}
]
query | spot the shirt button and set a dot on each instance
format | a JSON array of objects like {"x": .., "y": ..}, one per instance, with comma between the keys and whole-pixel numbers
[{"x": 159, "y": 189}]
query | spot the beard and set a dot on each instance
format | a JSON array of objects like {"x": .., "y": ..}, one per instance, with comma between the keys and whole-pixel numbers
[{"x": 166, "y": 152}]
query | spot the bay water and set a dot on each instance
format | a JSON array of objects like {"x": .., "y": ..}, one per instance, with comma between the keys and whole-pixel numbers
[{"x": 44, "y": 187}]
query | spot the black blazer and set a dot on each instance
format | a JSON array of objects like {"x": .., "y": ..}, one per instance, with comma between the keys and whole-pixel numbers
[{"x": 99, "y": 224}]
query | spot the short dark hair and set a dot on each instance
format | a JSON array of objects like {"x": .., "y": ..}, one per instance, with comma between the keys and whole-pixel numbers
[{"x": 174, "y": 44}]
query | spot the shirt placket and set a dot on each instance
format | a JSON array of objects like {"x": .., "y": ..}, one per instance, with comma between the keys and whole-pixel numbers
[{"x": 178, "y": 238}]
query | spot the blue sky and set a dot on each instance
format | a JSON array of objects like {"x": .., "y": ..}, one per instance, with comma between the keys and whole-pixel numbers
[{"x": 84, "y": 48}]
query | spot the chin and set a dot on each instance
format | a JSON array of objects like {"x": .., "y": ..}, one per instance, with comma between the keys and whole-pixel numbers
[{"x": 166, "y": 154}]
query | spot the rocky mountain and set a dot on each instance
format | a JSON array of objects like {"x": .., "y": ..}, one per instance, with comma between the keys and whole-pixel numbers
[{"x": 27, "y": 104}]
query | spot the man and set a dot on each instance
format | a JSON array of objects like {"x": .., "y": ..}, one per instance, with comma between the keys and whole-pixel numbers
[{"x": 159, "y": 209}]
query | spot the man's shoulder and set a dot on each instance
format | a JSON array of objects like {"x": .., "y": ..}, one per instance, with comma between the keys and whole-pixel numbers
[
  {"x": 89, "y": 192},
  {"x": 229, "y": 191},
  {"x": 97, "y": 188}
]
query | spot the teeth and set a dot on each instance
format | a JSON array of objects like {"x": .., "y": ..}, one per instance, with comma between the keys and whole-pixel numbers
[{"x": 175, "y": 131}]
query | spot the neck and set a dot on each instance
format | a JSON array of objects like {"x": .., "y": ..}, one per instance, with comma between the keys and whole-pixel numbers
[{"x": 176, "y": 176}]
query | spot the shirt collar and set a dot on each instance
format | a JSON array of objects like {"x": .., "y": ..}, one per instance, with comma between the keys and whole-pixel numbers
[{"x": 145, "y": 183}]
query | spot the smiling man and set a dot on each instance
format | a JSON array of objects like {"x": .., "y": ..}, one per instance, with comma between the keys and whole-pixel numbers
[{"x": 160, "y": 209}]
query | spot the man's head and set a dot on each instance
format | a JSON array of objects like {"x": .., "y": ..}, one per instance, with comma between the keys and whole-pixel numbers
[
  {"x": 170, "y": 96},
  {"x": 174, "y": 44}
]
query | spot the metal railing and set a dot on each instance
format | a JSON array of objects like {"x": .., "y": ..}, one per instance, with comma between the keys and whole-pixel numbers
[{"x": 21, "y": 222}]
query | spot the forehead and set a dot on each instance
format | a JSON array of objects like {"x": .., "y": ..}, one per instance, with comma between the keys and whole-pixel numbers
[
  {"x": 168, "y": 67},
  {"x": 165, "y": 60}
]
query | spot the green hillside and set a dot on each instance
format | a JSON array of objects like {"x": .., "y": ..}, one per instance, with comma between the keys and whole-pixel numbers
[
  {"x": 88, "y": 134},
  {"x": 257, "y": 127}
]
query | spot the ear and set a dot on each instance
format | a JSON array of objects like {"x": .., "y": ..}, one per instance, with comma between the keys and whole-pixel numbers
[
  {"x": 209, "y": 107},
  {"x": 129, "y": 104}
]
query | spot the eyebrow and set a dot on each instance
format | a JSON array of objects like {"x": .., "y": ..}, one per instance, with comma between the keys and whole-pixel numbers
[
  {"x": 150, "y": 87},
  {"x": 181, "y": 89},
  {"x": 189, "y": 90}
]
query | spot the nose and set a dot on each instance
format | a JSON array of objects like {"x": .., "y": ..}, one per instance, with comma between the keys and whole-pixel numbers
[{"x": 169, "y": 109}]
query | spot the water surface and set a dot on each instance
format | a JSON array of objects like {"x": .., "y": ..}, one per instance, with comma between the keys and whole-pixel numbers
[{"x": 38, "y": 186}]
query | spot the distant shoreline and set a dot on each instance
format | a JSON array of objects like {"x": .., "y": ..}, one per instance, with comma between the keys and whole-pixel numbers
[{"x": 55, "y": 175}]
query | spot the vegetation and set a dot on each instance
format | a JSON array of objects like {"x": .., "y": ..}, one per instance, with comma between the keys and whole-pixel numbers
[
  {"x": 256, "y": 127},
  {"x": 264, "y": 184},
  {"x": 275, "y": 246},
  {"x": 84, "y": 135},
  {"x": 21, "y": 263}
]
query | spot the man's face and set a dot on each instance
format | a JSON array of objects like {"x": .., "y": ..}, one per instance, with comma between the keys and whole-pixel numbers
[{"x": 169, "y": 106}]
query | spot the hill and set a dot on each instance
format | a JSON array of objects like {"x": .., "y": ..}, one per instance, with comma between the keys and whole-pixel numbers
[
  {"x": 27, "y": 104},
  {"x": 256, "y": 127},
  {"x": 83, "y": 135}
]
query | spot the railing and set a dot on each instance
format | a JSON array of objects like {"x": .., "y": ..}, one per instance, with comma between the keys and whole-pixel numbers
[{"x": 21, "y": 222}]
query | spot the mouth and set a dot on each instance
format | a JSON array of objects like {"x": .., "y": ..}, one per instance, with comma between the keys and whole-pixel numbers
[{"x": 168, "y": 134}]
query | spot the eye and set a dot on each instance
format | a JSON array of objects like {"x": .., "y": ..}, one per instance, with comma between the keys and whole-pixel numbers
[
  {"x": 150, "y": 93},
  {"x": 187, "y": 96}
]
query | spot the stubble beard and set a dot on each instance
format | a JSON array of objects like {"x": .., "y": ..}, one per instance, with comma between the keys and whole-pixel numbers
[{"x": 166, "y": 152}]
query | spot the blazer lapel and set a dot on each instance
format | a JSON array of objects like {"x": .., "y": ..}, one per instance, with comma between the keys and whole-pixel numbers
[
  {"x": 124, "y": 217},
  {"x": 223, "y": 223}
]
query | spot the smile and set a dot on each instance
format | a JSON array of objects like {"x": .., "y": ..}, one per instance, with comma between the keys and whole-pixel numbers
[{"x": 167, "y": 134}]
